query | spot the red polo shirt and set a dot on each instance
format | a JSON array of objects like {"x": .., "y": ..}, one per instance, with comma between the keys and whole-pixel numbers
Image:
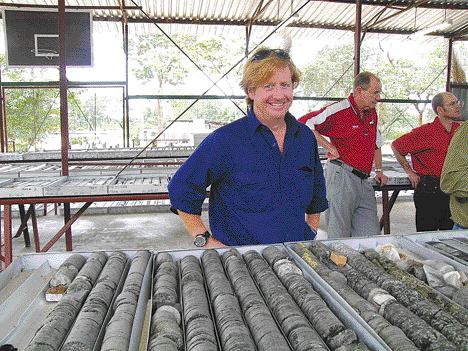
[
  {"x": 428, "y": 146},
  {"x": 355, "y": 137}
]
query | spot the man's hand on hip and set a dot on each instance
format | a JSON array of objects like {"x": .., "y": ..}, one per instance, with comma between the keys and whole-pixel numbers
[
  {"x": 333, "y": 153},
  {"x": 413, "y": 177}
]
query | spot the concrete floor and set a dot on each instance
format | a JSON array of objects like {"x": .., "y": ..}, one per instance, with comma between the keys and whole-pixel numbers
[{"x": 157, "y": 231}]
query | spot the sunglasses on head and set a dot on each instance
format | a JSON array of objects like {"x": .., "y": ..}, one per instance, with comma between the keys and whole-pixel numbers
[{"x": 263, "y": 54}]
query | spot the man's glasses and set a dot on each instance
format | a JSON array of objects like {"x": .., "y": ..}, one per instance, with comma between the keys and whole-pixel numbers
[
  {"x": 455, "y": 103},
  {"x": 263, "y": 54}
]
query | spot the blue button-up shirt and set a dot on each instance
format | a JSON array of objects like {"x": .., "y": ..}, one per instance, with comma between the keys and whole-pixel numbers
[{"x": 258, "y": 195}]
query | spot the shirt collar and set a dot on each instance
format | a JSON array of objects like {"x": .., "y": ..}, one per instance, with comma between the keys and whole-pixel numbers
[
  {"x": 292, "y": 125},
  {"x": 440, "y": 126},
  {"x": 437, "y": 123}
]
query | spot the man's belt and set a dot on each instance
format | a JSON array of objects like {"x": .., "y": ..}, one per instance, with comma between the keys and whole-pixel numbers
[{"x": 353, "y": 170}]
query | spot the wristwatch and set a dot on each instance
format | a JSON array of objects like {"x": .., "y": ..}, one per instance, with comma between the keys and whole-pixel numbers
[{"x": 201, "y": 239}]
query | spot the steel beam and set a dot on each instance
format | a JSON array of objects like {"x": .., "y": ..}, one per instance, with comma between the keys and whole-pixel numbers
[
  {"x": 357, "y": 38},
  {"x": 64, "y": 110},
  {"x": 2, "y": 103},
  {"x": 449, "y": 64},
  {"x": 54, "y": 84},
  {"x": 54, "y": 7}
]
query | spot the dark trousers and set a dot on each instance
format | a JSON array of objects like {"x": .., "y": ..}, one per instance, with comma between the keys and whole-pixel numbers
[{"x": 432, "y": 206}]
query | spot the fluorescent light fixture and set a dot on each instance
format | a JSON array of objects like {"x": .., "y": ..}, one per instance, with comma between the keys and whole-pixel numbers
[{"x": 436, "y": 28}]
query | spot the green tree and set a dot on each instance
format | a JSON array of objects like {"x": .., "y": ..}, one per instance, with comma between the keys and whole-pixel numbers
[
  {"x": 331, "y": 74},
  {"x": 160, "y": 62},
  {"x": 87, "y": 112},
  {"x": 221, "y": 111},
  {"x": 410, "y": 79},
  {"x": 31, "y": 113}
]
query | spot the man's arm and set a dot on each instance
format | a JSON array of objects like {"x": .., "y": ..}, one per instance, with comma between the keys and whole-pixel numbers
[
  {"x": 319, "y": 201},
  {"x": 323, "y": 142},
  {"x": 454, "y": 178},
  {"x": 194, "y": 225},
  {"x": 412, "y": 175},
  {"x": 380, "y": 177},
  {"x": 187, "y": 188}
]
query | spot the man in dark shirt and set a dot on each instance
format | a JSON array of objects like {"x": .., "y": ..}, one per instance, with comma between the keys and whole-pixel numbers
[
  {"x": 428, "y": 145},
  {"x": 264, "y": 173}
]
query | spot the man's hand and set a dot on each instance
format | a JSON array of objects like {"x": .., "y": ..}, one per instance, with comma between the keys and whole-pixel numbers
[
  {"x": 333, "y": 153},
  {"x": 213, "y": 243},
  {"x": 381, "y": 178},
  {"x": 413, "y": 177},
  {"x": 313, "y": 220}
]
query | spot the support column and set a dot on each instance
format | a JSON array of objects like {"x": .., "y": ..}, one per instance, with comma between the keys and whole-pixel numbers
[
  {"x": 449, "y": 64},
  {"x": 357, "y": 39},
  {"x": 5, "y": 122},
  {"x": 64, "y": 111},
  {"x": 126, "y": 101},
  {"x": 2, "y": 102}
]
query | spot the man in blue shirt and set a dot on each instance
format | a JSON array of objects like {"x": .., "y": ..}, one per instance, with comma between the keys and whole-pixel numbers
[{"x": 264, "y": 173}]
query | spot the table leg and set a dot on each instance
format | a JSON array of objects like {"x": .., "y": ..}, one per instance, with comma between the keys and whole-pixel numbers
[
  {"x": 68, "y": 233},
  {"x": 24, "y": 226},
  {"x": 7, "y": 234},
  {"x": 387, "y": 206},
  {"x": 385, "y": 220},
  {"x": 37, "y": 243}
]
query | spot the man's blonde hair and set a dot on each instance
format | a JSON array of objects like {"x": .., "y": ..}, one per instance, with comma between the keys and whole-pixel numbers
[{"x": 258, "y": 71}]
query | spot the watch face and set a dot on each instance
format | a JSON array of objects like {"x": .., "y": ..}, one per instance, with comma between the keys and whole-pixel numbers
[{"x": 200, "y": 240}]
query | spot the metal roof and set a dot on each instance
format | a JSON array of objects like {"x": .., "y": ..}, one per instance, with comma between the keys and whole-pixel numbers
[{"x": 378, "y": 16}]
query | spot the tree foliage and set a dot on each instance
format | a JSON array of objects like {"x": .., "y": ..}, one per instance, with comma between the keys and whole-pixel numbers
[
  {"x": 30, "y": 113},
  {"x": 330, "y": 73},
  {"x": 159, "y": 62},
  {"x": 34, "y": 113},
  {"x": 155, "y": 61},
  {"x": 87, "y": 112}
]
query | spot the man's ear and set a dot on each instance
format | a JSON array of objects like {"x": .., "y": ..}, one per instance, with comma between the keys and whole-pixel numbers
[
  {"x": 251, "y": 93},
  {"x": 439, "y": 110}
]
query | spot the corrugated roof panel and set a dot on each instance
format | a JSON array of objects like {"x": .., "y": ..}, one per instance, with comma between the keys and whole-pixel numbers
[{"x": 315, "y": 13}]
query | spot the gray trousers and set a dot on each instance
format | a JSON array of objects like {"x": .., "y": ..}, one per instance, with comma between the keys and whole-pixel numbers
[{"x": 352, "y": 207}]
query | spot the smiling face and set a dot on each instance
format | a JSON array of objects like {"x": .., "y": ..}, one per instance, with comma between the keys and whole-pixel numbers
[{"x": 271, "y": 100}]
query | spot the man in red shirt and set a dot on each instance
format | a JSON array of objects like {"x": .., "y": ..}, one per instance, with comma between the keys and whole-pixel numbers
[
  {"x": 355, "y": 143},
  {"x": 428, "y": 145}
]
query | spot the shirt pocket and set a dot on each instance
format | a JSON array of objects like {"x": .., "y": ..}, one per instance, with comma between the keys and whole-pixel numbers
[
  {"x": 302, "y": 186},
  {"x": 252, "y": 191}
]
